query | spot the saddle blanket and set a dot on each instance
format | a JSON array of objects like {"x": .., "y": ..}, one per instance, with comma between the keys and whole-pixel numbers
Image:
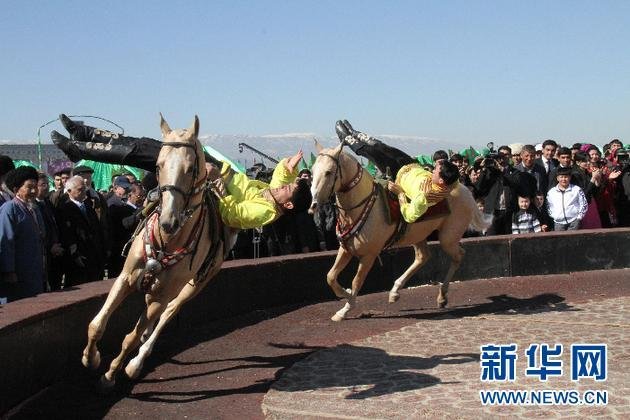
[{"x": 392, "y": 206}]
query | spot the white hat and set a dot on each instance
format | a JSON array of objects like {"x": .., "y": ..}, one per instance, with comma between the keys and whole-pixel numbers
[
  {"x": 539, "y": 147},
  {"x": 516, "y": 148}
]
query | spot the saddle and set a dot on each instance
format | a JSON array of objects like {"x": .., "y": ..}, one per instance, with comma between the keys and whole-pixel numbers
[{"x": 391, "y": 205}]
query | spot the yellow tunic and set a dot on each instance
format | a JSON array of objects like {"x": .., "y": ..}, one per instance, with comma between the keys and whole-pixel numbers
[
  {"x": 245, "y": 207},
  {"x": 420, "y": 190}
]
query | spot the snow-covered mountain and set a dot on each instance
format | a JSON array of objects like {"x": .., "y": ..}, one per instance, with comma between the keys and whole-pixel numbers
[
  {"x": 281, "y": 145},
  {"x": 285, "y": 144}
]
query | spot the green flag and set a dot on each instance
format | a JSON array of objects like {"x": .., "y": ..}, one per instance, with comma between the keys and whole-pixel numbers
[
  {"x": 302, "y": 165},
  {"x": 103, "y": 172},
  {"x": 312, "y": 162},
  {"x": 371, "y": 168}
]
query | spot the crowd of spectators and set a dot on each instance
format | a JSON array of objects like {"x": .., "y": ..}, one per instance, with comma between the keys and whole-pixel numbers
[
  {"x": 55, "y": 238},
  {"x": 549, "y": 187}
]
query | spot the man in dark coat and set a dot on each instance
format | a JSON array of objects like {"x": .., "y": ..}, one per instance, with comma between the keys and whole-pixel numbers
[
  {"x": 118, "y": 210},
  {"x": 528, "y": 165},
  {"x": 81, "y": 235}
]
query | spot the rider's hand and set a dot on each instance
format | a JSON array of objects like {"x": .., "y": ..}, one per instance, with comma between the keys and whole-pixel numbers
[
  {"x": 293, "y": 161},
  {"x": 219, "y": 186},
  {"x": 395, "y": 188}
]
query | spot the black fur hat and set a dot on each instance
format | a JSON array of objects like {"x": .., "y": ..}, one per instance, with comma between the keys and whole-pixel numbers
[{"x": 17, "y": 177}]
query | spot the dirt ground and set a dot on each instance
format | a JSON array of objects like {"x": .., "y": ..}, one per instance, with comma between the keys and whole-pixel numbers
[{"x": 224, "y": 369}]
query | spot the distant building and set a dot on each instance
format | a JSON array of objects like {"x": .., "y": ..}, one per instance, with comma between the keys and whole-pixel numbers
[{"x": 53, "y": 159}]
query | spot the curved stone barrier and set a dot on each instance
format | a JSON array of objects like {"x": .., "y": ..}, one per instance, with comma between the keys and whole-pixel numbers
[{"x": 41, "y": 338}]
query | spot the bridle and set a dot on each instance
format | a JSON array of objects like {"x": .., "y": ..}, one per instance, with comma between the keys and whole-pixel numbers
[
  {"x": 155, "y": 255},
  {"x": 196, "y": 187},
  {"x": 339, "y": 176},
  {"x": 346, "y": 232}
]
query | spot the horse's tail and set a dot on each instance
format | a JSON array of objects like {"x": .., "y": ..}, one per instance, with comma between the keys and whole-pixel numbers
[{"x": 480, "y": 221}]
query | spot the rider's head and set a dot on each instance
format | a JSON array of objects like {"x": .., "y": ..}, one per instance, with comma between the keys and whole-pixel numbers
[
  {"x": 445, "y": 173},
  {"x": 301, "y": 197},
  {"x": 294, "y": 197}
]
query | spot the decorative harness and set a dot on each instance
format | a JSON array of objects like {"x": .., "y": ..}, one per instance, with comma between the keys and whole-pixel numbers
[
  {"x": 155, "y": 256},
  {"x": 347, "y": 232}
]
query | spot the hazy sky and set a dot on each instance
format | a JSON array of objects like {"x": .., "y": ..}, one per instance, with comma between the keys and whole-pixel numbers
[{"x": 459, "y": 71}]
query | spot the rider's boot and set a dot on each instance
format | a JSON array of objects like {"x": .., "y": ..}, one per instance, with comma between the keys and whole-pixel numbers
[
  {"x": 346, "y": 138},
  {"x": 92, "y": 143},
  {"x": 103, "y": 146},
  {"x": 358, "y": 135},
  {"x": 356, "y": 140}
]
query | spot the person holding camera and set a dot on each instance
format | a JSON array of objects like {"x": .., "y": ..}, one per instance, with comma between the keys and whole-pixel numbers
[
  {"x": 500, "y": 184},
  {"x": 620, "y": 160}
]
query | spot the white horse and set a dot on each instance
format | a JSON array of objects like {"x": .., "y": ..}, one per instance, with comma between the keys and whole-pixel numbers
[
  {"x": 368, "y": 229},
  {"x": 171, "y": 259}
]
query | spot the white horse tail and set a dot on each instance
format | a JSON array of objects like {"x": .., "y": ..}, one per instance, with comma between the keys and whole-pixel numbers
[{"x": 480, "y": 221}]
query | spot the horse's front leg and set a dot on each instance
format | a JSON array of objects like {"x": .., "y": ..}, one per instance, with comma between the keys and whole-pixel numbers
[
  {"x": 365, "y": 264},
  {"x": 120, "y": 290},
  {"x": 422, "y": 255},
  {"x": 132, "y": 341},
  {"x": 134, "y": 367},
  {"x": 342, "y": 260}
]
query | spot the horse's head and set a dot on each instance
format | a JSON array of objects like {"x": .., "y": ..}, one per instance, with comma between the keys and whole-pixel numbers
[
  {"x": 181, "y": 174},
  {"x": 332, "y": 170}
]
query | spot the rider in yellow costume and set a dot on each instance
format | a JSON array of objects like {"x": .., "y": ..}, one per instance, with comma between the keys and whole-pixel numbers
[
  {"x": 252, "y": 203},
  {"x": 248, "y": 203},
  {"x": 416, "y": 188}
]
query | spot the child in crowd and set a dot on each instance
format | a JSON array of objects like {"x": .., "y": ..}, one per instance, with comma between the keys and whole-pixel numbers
[
  {"x": 567, "y": 202},
  {"x": 525, "y": 220},
  {"x": 542, "y": 214}
]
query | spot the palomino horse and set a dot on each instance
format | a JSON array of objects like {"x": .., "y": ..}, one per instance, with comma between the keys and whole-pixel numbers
[
  {"x": 178, "y": 233},
  {"x": 368, "y": 229}
]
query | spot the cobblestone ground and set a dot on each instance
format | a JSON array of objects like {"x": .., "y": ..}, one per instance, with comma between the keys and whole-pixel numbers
[{"x": 432, "y": 369}]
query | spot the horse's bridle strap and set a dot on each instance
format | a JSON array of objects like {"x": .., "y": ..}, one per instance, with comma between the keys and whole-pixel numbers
[{"x": 354, "y": 181}]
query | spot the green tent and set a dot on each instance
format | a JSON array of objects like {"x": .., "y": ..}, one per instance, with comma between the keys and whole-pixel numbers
[
  {"x": 19, "y": 163},
  {"x": 103, "y": 172},
  {"x": 220, "y": 156}
]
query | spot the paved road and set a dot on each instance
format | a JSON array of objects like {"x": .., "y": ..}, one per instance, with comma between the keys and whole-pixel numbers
[{"x": 407, "y": 360}]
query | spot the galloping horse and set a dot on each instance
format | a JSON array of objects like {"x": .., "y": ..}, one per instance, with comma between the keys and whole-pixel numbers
[
  {"x": 368, "y": 229},
  {"x": 173, "y": 256}
]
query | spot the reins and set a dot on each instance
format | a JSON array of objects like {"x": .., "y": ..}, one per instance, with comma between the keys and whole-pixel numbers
[{"x": 345, "y": 233}]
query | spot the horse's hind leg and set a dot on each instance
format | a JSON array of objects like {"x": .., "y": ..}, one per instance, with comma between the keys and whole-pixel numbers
[
  {"x": 422, "y": 255},
  {"x": 342, "y": 260},
  {"x": 134, "y": 367},
  {"x": 365, "y": 265},
  {"x": 120, "y": 290},
  {"x": 456, "y": 253},
  {"x": 132, "y": 341}
]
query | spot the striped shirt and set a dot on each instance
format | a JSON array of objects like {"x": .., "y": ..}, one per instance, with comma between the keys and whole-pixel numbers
[{"x": 525, "y": 222}]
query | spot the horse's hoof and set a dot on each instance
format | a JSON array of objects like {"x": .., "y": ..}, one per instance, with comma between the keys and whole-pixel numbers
[
  {"x": 133, "y": 368},
  {"x": 393, "y": 297},
  {"x": 106, "y": 385},
  {"x": 337, "y": 318},
  {"x": 92, "y": 363},
  {"x": 443, "y": 303}
]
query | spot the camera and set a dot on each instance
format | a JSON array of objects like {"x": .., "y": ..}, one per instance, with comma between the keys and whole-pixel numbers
[{"x": 623, "y": 159}]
